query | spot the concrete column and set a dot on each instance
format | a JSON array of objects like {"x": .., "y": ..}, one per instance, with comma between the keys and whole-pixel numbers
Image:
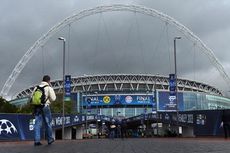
[
  {"x": 54, "y": 134},
  {"x": 79, "y": 132},
  {"x": 188, "y": 132},
  {"x": 68, "y": 133}
]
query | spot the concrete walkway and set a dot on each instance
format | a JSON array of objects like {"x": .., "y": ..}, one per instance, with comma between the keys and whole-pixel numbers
[{"x": 138, "y": 145}]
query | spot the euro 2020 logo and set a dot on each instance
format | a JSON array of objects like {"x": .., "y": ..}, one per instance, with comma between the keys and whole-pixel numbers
[{"x": 7, "y": 127}]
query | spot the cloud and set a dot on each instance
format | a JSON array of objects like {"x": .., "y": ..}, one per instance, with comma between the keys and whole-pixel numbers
[{"x": 113, "y": 42}]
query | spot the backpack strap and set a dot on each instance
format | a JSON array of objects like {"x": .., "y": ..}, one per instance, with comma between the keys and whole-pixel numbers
[{"x": 44, "y": 92}]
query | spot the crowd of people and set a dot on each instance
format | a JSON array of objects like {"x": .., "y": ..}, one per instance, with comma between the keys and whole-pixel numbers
[{"x": 117, "y": 129}]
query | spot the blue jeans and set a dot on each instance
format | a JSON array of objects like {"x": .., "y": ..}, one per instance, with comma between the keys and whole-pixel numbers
[
  {"x": 45, "y": 117},
  {"x": 112, "y": 133},
  {"x": 226, "y": 127}
]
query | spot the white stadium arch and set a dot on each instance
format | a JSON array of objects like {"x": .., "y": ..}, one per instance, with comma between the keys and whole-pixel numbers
[{"x": 109, "y": 8}]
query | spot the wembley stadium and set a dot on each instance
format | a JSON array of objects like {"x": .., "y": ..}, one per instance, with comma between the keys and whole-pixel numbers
[{"x": 130, "y": 95}]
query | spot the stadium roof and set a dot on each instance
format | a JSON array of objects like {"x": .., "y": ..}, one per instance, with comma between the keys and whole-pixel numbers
[{"x": 125, "y": 82}]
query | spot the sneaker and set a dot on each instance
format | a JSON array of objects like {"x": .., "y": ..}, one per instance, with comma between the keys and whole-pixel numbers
[
  {"x": 50, "y": 142},
  {"x": 37, "y": 144}
]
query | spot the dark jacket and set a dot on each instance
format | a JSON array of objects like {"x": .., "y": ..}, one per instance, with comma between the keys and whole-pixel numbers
[{"x": 226, "y": 116}]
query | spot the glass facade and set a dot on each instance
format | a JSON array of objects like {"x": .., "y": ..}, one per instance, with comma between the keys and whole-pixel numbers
[
  {"x": 130, "y": 105},
  {"x": 202, "y": 101},
  {"x": 20, "y": 102},
  {"x": 106, "y": 111},
  {"x": 127, "y": 112}
]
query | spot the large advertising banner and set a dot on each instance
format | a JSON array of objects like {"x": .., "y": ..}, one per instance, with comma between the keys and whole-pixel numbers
[
  {"x": 208, "y": 122},
  {"x": 16, "y": 127},
  {"x": 165, "y": 103},
  {"x": 172, "y": 85},
  {"x": 67, "y": 87},
  {"x": 119, "y": 100},
  {"x": 21, "y": 126},
  {"x": 172, "y": 100},
  {"x": 9, "y": 129}
]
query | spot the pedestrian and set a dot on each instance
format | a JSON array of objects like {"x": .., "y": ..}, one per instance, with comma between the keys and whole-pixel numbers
[
  {"x": 226, "y": 123},
  {"x": 123, "y": 129},
  {"x": 43, "y": 113},
  {"x": 119, "y": 131},
  {"x": 112, "y": 130}
]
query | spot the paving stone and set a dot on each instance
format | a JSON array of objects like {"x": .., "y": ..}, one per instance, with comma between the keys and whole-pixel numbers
[{"x": 131, "y": 145}]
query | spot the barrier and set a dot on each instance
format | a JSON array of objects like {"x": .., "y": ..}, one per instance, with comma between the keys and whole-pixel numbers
[
  {"x": 21, "y": 126},
  {"x": 204, "y": 123}
]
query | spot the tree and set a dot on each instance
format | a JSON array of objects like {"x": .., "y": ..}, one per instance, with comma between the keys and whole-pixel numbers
[
  {"x": 56, "y": 106},
  {"x": 27, "y": 108},
  {"x": 6, "y": 107}
]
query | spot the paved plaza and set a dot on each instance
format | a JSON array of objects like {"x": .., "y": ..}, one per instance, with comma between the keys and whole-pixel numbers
[{"x": 136, "y": 145}]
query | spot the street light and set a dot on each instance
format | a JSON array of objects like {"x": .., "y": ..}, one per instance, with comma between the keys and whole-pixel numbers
[
  {"x": 88, "y": 101},
  {"x": 155, "y": 96},
  {"x": 63, "y": 100},
  {"x": 175, "y": 64},
  {"x": 98, "y": 112},
  {"x": 155, "y": 93},
  {"x": 146, "y": 112}
]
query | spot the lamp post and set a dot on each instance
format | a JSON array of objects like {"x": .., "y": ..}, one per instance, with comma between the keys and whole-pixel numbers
[
  {"x": 98, "y": 112},
  {"x": 155, "y": 98},
  {"x": 87, "y": 102},
  {"x": 155, "y": 94},
  {"x": 175, "y": 64},
  {"x": 63, "y": 100},
  {"x": 146, "y": 111}
]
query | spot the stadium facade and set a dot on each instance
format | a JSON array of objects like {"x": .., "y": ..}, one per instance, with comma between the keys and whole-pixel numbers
[{"x": 130, "y": 95}]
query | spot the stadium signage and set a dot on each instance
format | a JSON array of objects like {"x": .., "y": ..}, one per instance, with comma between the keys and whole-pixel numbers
[
  {"x": 128, "y": 99},
  {"x": 168, "y": 103},
  {"x": 172, "y": 93},
  {"x": 119, "y": 100},
  {"x": 204, "y": 122},
  {"x": 67, "y": 87},
  {"x": 172, "y": 85},
  {"x": 7, "y": 127}
]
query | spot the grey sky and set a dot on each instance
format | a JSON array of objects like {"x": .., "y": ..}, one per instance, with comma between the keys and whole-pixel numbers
[{"x": 114, "y": 42}]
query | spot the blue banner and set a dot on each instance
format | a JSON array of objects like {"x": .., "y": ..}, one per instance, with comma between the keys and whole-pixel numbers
[
  {"x": 172, "y": 98},
  {"x": 21, "y": 126},
  {"x": 168, "y": 103},
  {"x": 67, "y": 87},
  {"x": 172, "y": 85},
  {"x": 9, "y": 127},
  {"x": 119, "y": 100}
]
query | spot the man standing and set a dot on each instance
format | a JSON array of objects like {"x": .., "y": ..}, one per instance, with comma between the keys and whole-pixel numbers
[
  {"x": 43, "y": 113},
  {"x": 226, "y": 123}
]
